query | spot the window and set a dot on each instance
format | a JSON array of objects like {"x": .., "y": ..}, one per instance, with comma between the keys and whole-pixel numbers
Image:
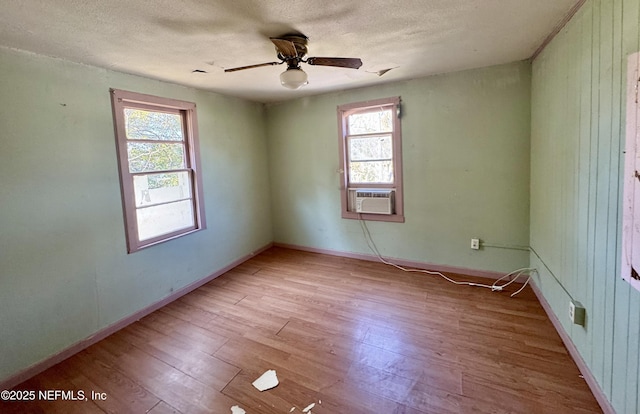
[
  {"x": 157, "y": 143},
  {"x": 371, "y": 160}
]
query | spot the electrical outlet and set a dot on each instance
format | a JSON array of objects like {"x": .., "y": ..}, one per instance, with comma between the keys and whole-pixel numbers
[
  {"x": 576, "y": 313},
  {"x": 572, "y": 311},
  {"x": 475, "y": 244}
]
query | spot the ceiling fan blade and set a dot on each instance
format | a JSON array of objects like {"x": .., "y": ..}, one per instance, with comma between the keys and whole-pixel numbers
[
  {"x": 353, "y": 63},
  {"x": 253, "y": 66},
  {"x": 285, "y": 47}
]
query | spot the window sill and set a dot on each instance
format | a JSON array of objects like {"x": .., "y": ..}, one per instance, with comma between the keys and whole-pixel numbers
[{"x": 392, "y": 218}]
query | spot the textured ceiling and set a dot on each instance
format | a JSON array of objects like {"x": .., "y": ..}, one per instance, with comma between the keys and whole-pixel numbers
[{"x": 169, "y": 39}]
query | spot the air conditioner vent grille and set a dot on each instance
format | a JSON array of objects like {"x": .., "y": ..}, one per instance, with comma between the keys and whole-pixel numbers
[
  {"x": 374, "y": 194},
  {"x": 374, "y": 201}
]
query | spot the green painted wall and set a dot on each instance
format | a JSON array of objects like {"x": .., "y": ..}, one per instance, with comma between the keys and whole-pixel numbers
[
  {"x": 64, "y": 269},
  {"x": 578, "y": 128},
  {"x": 466, "y": 170},
  {"x": 510, "y": 154}
]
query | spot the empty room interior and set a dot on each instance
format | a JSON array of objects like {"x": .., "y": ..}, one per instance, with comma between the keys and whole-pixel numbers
[{"x": 395, "y": 207}]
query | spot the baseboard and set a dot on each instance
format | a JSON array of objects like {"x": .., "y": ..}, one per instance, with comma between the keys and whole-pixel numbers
[
  {"x": 402, "y": 262},
  {"x": 47, "y": 363},
  {"x": 606, "y": 406}
]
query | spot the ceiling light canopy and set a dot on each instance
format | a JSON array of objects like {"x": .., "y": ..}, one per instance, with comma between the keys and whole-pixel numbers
[{"x": 293, "y": 78}]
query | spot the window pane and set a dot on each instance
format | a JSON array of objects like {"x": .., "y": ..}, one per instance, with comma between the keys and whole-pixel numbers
[
  {"x": 370, "y": 122},
  {"x": 161, "y": 188},
  {"x": 371, "y": 172},
  {"x": 141, "y": 124},
  {"x": 152, "y": 156},
  {"x": 163, "y": 219},
  {"x": 371, "y": 148}
]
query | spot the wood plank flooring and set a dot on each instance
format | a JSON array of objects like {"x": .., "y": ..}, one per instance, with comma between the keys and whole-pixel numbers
[{"x": 351, "y": 336}]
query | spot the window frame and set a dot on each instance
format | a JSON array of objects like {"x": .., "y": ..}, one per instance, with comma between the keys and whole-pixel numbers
[
  {"x": 631, "y": 187},
  {"x": 121, "y": 100},
  {"x": 344, "y": 111}
]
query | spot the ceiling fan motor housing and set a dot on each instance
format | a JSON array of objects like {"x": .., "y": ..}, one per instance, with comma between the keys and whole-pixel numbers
[{"x": 299, "y": 41}]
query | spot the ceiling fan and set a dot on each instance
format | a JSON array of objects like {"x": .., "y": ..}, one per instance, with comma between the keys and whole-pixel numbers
[{"x": 292, "y": 49}]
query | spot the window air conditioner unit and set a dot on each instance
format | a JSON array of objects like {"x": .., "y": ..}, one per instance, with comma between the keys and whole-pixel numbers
[{"x": 374, "y": 201}]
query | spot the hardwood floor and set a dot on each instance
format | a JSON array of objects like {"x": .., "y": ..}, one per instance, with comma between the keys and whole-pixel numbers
[{"x": 351, "y": 336}]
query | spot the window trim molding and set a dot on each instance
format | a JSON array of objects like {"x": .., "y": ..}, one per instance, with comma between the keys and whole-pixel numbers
[
  {"x": 630, "y": 204},
  {"x": 343, "y": 112},
  {"x": 119, "y": 100}
]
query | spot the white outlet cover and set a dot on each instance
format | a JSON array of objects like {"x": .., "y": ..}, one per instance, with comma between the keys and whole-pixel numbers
[{"x": 572, "y": 311}]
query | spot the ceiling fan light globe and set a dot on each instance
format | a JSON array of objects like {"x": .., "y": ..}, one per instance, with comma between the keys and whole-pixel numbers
[{"x": 293, "y": 78}]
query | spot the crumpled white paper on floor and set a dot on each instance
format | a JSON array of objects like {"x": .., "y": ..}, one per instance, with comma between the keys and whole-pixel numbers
[
  {"x": 266, "y": 381},
  {"x": 237, "y": 410}
]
